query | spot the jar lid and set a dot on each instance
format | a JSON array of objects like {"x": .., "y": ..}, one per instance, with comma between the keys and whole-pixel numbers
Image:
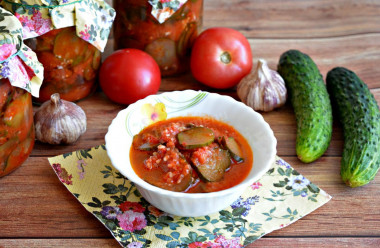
[
  {"x": 164, "y": 9},
  {"x": 92, "y": 18},
  {"x": 18, "y": 63}
]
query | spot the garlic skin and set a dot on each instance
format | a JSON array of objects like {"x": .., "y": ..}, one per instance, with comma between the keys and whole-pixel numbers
[
  {"x": 263, "y": 89},
  {"x": 59, "y": 122}
]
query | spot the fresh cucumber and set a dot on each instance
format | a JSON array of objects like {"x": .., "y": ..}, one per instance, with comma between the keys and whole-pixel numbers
[
  {"x": 195, "y": 137},
  {"x": 359, "y": 115},
  {"x": 311, "y": 104}
]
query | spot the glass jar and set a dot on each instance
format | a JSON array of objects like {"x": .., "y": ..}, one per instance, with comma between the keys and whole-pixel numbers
[
  {"x": 70, "y": 64},
  {"x": 169, "y": 43},
  {"x": 16, "y": 127}
]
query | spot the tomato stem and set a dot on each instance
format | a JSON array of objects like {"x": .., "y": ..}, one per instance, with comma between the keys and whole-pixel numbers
[{"x": 225, "y": 57}]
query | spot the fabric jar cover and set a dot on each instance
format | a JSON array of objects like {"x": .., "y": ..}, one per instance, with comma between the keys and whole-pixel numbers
[
  {"x": 164, "y": 9},
  {"x": 92, "y": 18},
  {"x": 18, "y": 63}
]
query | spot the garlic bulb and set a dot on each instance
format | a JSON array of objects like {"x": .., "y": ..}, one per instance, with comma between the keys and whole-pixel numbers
[
  {"x": 263, "y": 89},
  {"x": 59, "y": 122}
]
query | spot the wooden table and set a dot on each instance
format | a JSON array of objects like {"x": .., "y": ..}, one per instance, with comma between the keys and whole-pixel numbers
[{"x": 36, "y": 210}]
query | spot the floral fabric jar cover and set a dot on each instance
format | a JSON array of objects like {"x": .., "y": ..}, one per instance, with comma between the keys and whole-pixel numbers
[
  {"x": 92, "y": 18},
  {"x": 18, "y": 63}
]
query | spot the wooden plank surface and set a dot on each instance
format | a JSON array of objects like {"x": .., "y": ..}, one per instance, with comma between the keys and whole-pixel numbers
[
  {"x": 100, "y": 112},
  {"x": 358, "y": 53},
  {"x": 42, "y": 207},
  {"x": 36, "y": 210},
  {"x": 264, "y": 242},
  {"x": 288, "y": 19},
  {"x": 295, "y": 19}
]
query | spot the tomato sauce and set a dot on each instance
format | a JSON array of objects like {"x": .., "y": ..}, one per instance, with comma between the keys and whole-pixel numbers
[
  {"x": 16, "y": 127},
  {"x": 157, "y": 156},
  {"x": 70, "y": 64},
  {"x": 169, "y": 43}
]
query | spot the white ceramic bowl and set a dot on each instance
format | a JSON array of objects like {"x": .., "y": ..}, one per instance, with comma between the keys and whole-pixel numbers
[{"x": 195, "y": 103}]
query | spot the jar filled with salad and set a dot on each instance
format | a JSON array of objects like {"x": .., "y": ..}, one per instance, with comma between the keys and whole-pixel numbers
[
  {"x": 68, "y": 37},
  {"x": 164, "y": 29},
  {"x": 21, "y": 76},
  {"x": 70, "y": 63}
]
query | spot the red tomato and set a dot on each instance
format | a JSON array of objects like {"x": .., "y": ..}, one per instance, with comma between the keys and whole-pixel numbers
[
  {"x": 221, "y": 57},
  {"x": 128, "y": 75}
]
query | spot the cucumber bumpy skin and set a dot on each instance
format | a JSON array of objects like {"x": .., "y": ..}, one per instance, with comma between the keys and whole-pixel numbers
[
  {"x": 359, "y": 115},
  {"x": 311, "y": 104}
]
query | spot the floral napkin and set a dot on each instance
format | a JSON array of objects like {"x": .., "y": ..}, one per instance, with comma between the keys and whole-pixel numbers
[{"x": 279, "y": 198}]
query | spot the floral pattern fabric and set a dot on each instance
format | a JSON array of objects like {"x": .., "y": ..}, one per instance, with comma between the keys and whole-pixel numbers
[
  {"x": 164, "y": 9},
  {"x": 279, "y": 198},
  {"x": 18, "y": 63},
  {"x": 92, "y": 18}
]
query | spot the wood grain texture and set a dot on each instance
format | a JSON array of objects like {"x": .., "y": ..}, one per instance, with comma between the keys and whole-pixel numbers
[
  {"x": 61, "y": 243},
  {"x": 34, "y": 203},
  {"x": 263, "y": 242},
  {"x": 287, "y": 19},
  {"x": 100, "y": 112},
  {"x": 294, "y": 19},
  {"x": 317, "y": 243},
  {"x": 36, "y": 210},
  {"x": 358, "y": 53}
]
